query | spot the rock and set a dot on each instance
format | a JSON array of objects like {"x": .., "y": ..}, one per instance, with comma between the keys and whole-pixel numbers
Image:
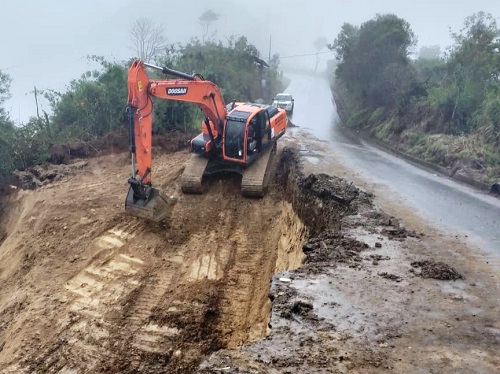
[
  {"x": 308, "y": 247},
  {"x": 495, "y": 189}
]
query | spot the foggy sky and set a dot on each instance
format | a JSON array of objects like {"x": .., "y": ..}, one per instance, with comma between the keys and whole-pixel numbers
[{"x": 45, "y": 43}]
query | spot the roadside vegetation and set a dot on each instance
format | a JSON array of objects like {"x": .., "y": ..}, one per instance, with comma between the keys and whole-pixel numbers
[
  {"x": 440, "y": 106},
  {"x": 90, "y": 115}
]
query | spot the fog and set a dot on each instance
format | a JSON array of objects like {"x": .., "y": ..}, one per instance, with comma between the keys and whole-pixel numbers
[{"x": 45, "y": 43}]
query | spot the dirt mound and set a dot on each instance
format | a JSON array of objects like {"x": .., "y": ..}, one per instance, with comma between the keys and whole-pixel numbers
[
  {"x": 319, "y": 199},
  {"x": 390, "y": 276},
  {"x": 41, "y": 175},
  {"x": 328, "y": 187},
  {"x": 113, "y": 143},
  {"x": 391, "y": 226},
  {"x": 436, "y": 270},
  {"x": 332, "y": 246},
  {"x": 289, "y": 305},
  {"x": 495, "y": 189},
  {"x": 128, "y": 296}
]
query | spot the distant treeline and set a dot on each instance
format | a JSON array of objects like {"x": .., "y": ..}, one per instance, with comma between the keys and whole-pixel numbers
[
  {"x": 93, "y": 107},
  {"x": 443, "y": 106}
]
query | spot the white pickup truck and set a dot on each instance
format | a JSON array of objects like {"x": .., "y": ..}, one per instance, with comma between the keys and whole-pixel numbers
[{"x": 284, "y": 101}]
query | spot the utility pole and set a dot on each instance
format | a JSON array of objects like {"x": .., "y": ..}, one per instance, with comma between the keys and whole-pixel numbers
[
  {"x": 36, "y": 102},
  {"x": 270, "y": 42}
]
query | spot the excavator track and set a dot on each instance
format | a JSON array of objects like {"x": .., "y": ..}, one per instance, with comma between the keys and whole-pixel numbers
[
  {"x": 256, "y": 177},
  {"x": 192, "y": 177}
]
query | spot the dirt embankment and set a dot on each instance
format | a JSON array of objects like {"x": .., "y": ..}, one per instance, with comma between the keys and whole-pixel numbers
[
  {"x": 86, "y": 288},
  {"x": 363, "y": 302}
]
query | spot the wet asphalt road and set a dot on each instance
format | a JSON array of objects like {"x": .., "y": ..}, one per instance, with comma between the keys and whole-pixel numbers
[{"x": 440, "y": 200}]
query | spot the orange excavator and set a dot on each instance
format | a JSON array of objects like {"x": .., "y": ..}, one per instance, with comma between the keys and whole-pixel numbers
[{"x": 238, "y": 137}]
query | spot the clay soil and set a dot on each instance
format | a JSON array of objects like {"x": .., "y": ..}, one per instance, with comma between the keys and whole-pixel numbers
[{"x": 313, "y": 278}]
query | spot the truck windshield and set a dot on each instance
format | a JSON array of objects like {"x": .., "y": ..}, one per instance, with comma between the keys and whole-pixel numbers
[
  {"x": 283, "y": 98},
  {"x": 235, "y": 139}
]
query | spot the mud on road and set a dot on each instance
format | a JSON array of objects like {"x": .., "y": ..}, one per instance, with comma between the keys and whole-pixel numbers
[
  {"x": 373, "y": 296},
  {"x": 307, "y": 279}
]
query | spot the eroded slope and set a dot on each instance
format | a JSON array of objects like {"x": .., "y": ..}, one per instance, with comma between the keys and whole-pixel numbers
[{"x": 85, "y": 288}]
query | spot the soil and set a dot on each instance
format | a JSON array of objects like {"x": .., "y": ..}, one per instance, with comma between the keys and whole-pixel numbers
[
  {"x": 436, "y": 270},
  {"x": 358, "y": 305},
  {"x": 314, "y": 277}
]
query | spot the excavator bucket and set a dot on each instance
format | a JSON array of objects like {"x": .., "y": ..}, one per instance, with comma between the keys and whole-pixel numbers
[{"x": 152, "y": 206}]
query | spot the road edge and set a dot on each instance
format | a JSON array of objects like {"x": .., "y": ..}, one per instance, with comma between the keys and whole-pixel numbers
[{"x": 471, "y": 182}]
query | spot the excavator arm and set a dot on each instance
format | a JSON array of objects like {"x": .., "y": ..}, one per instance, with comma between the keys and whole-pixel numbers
[{"x": 142, "y": 199}]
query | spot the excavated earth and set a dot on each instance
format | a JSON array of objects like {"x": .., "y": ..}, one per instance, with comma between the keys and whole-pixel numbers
[
  {"x": 86, "y": 288},
  {"x": 312, "y": 278}
]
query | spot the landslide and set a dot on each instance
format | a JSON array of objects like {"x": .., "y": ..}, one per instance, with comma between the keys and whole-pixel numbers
[
  {"x": 86, "y": 288},
  {"x": 372, "y": 295}
]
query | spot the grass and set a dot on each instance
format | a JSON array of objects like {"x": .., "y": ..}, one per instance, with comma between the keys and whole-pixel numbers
[
  {"x": 455, "y": 151},
  {"x": 377, "y": 115},
  {"x": 384, "y": 130}
]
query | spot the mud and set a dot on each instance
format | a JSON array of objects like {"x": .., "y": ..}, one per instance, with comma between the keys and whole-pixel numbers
[
  {"x": 320, "y": 200},
  {"x": 85, "y": 288},
  {"x": 306, "y": 279},
  {"x": 389, "y": 276},
  {"x": 436, "y": 270},
  {"x": 354, "y": 306},
  {"x": 41, "y": 175}
]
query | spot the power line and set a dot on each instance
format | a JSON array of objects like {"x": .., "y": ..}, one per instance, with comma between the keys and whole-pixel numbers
[
  {"x": 12, "y": 67},
  {"x": 306, "y": 54}
]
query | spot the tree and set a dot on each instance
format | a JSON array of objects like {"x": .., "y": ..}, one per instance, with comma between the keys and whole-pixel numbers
[
  {"x": 236, "y": 68},
  {"x": 345, "y": 42},
  {"x": 206, "y": 19},
  {"x": 147, "y": 39},
  {"x": 432, "y": 52},
  {"x": 5, "y": 81},
  {"x": 470, "y": 91},
  {"x": 319, "y": 44},
  {"x": 7, "y": 129},
  {"x": 7, "y": 136},
  {"x": 93, "y": 105},
  {"x": 275, "y": 61},
  {"x": 367, "y": 55}
]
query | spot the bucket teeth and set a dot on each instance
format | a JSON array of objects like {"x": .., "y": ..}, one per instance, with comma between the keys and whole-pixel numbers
[{"x": 153, "y": 208}]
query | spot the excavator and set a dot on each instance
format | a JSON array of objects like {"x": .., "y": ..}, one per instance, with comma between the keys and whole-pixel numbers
[{"x": 237, "y": 137}]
